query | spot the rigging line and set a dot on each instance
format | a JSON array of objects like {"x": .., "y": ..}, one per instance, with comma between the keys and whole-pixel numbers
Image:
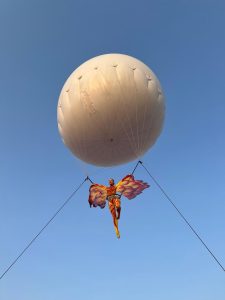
[
  {"x": 146, "y": 106},
  {"x": 122, "y": 123},
  {"x": 136, "y": 112},
  {"x": 75, "y": 140},
  {"x": 108, "y": 95},
  {"x": 43, "y": 228},
  {"x": 139, "y": 162},
  {"x": 84, "y": 133},
  {"x": 182, "y": 216},
  {"x": 88, "y": 178},
  {"x": 123, "y": 104}
]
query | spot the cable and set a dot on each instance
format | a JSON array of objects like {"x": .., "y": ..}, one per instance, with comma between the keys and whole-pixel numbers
[
  {"x": 88, "y": 178},
  {"x": 43, "y": 228},
  {"x": 182, "y": 216},
  {"x": 139, "y": 162}
]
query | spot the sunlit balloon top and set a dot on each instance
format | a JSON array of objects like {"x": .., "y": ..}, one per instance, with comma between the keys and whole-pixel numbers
[{"x": 110, "y": 110}]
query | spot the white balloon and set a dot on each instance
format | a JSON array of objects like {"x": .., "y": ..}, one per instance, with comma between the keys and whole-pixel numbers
[{"x": 110, "y": 110}]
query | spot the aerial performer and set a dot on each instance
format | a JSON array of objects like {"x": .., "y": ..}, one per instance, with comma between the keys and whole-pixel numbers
[
  {"x": 128, "y": 187},
  {"x": 110, "y": 112}
]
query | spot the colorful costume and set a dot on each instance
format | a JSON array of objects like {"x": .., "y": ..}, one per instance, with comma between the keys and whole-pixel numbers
[{"x": 128, "y": 187}]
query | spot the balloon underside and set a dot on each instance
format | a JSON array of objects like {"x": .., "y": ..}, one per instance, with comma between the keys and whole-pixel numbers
[{"x": 110, "y": 110}]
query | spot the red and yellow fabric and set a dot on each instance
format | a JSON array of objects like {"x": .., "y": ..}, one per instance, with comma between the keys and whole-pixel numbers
[{"x": 128, "y": 187}]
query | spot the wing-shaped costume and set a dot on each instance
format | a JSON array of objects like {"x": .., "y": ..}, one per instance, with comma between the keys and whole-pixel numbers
[
  {"x": 130, "y": 187},
  {"x": 97, "y": 195}
]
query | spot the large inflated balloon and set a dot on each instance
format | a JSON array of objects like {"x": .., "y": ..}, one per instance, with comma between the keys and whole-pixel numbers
[{"x": 110, "y": 110}]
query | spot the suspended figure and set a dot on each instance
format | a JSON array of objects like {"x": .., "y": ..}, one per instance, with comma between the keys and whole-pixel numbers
[{"x": 127, "y": 187}]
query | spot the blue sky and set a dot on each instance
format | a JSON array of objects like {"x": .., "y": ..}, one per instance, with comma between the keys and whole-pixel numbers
[{"x": 78, "y": 256}]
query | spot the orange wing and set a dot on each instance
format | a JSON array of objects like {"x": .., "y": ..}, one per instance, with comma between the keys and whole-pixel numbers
[
  {"x": 130, "y": 187},
  {"x": 97, "y": 195}
]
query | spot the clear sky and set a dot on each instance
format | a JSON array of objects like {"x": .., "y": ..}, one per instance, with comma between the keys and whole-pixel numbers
[{"x": 78, "y": 256}]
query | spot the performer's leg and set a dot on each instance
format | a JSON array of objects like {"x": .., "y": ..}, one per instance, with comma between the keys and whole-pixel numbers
[
  {"x": 112, "y": 209},
  {"x": 118, "y": 208}
]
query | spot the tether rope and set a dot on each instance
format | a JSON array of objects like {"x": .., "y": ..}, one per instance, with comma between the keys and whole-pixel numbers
[
  {"x": 75, "y": 191},
  {"x": 135, "y": 167},
  {"x": 43, "y": 228},
  {"x": 182, "y": 216}
]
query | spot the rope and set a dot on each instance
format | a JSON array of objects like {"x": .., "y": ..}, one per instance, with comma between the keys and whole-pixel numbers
[
  {"x": 182, "y": 216},
  {"x": 76, "y": 190},
  {"x": 88, "y": 178},
  {"x": 43, "y": 228},
  {"x": 139, "y": 162}
]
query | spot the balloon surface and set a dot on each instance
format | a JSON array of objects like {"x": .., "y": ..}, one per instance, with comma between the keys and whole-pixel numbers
[{"x": 110, "y": 110}]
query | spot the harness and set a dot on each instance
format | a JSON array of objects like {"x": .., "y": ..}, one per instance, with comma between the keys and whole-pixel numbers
[{"x": 111, "y": 197}]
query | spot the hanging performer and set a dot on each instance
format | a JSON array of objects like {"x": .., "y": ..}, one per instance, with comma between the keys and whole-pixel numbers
[{"x": 127, "y": 187}]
